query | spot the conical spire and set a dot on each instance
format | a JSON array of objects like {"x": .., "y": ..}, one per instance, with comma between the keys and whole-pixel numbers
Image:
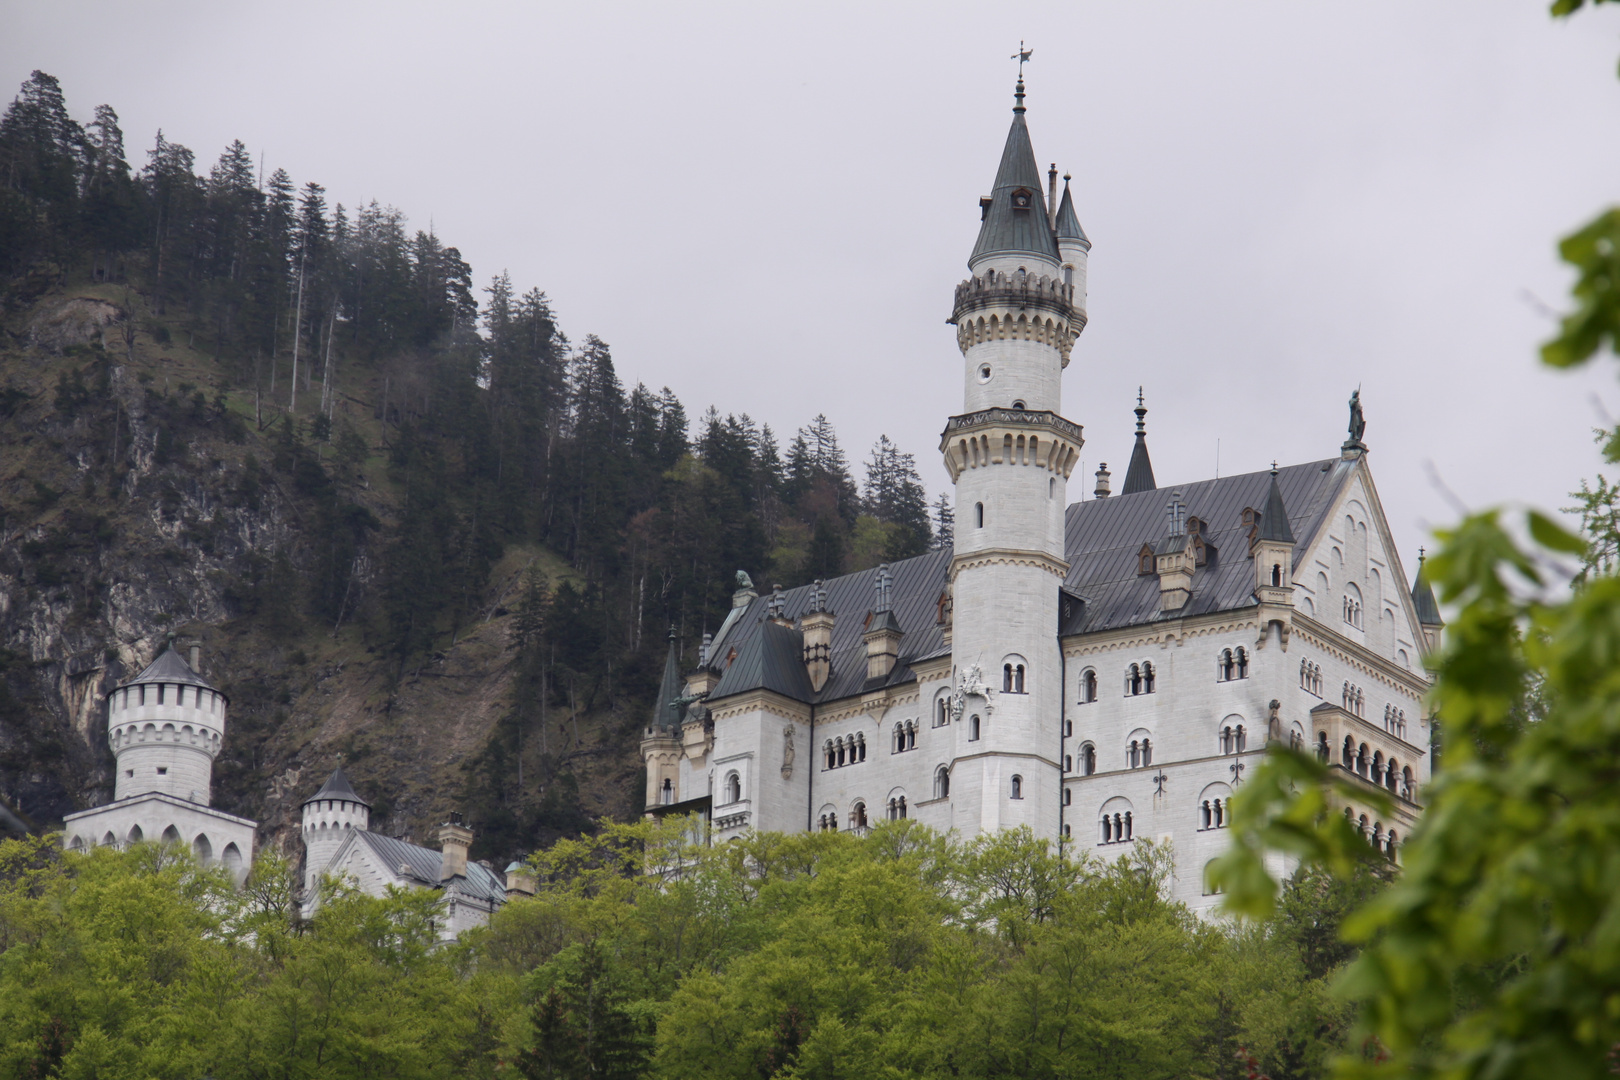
[
  {"x": 1015, "y": 221},
  {"x": 1139, "y": 474},
  {"x": 1068, "y": 223},
  {"x": 666, "y": 714},
  {"x": 1274, "y": 516},
  {"x": 338, "y": 789},
  {"x": 1428, "y": 611}
]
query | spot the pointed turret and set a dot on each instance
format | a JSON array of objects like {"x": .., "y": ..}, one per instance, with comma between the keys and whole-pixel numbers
[
  {"x": 1139, "y": 474},
  {"x": 666, "y": 714},
  {"x": 1068, "y": 222},
  {"x": 337, "y": 789},
  {"x": 1015, "y": 214},
  {"x": 1428, "y": 610},
  {"x": 1274, "y": 517}
]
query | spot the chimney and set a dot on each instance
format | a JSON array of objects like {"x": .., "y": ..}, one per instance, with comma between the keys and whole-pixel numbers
[
  {"x": 1175, "y": 559},
  {"x": 454, "y": 840},
  {"x": 196, "y": 658},
  {"x": 519, "y": 880},
  {"x": 776, "y": 607},
  {"x": 1103, "y": 474},
  {"x": 883, "y": 631},
  {"x": 817, "y": 625}
]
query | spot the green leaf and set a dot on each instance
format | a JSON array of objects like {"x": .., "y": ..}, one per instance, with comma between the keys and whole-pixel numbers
[{"x": 1553, "y": 536}]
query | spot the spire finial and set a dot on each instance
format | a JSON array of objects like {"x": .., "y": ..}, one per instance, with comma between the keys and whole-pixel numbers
[
  {"x": 1022, "y": 56},
  {"x": 1141, "y": 413},
  {"x": 1273, "y": 466},
  {"x": 1420, "y": 556}
]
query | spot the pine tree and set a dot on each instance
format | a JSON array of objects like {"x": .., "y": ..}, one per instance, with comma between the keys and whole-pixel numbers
[{"x": 944, "y": 523}]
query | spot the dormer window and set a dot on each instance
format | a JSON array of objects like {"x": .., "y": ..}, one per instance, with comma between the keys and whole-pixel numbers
[
  {"x": 984, "y": 206},
  {"x": 1145, "y": 560},
  {"x": 1018, "y": 404},
  {"x": 1022, "y": 198}
]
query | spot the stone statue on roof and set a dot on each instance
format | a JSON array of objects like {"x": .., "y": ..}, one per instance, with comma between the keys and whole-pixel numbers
[
  {"x": 1358, "y": 422},
  {"x": 744, "y": 581}
]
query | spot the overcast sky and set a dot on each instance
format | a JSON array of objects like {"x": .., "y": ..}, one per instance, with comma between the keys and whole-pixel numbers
[{"x": 766, "y": 208}]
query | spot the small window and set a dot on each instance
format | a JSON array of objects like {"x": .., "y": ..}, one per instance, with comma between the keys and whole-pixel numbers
[
  {"x": 1088, "y": 760},
  {"x": 131, "y": 772},
  {"x": 1018, "y": 405},
  {"x": 1017, "y": 786},
  {"x": 984, "y": 372},
  {"x": 1022, "y": 199},
  {"x": 1068, "y": 274},
  {"x": 163, "y": 770},
  {"x": 1068, "y": 798},
  {"x": 1088, "y": 687},
  {"x": 973, "y": 729},
  {"x": 942, "y": 782}
]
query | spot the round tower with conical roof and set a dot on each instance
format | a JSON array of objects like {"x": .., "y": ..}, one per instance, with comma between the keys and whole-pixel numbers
[
  {"x": 165, "y": 727},
  {"x": 331, "y": 815},
  {"x": 1010, "y": 454}
]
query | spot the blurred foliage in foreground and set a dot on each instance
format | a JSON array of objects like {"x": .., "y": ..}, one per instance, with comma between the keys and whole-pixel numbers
[
  {"x": 898, "y": 954},
  {"x": 1497, "y": 952}
]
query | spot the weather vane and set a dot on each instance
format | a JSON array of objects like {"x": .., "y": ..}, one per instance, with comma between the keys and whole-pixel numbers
[{"x": 1021, "y": 56}]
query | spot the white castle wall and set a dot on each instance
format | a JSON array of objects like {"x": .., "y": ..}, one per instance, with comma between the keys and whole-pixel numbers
[
  {"x": 213, "y": 836},
  {"x": 326, "y": 824},
  {"x": 179, "y": 735}
]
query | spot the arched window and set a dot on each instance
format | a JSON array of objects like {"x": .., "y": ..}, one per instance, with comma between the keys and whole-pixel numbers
[
  {"x": 135, "y": 834},
  {"x": 1147, "y": 678},
  {"x": 1133, "y": 680},
  {"x": 1068, "y": 796},
  {"x": 911, "y": 738},
  {"x": 1088, "y": 759},
  {"x": 1017, "y": 786},
  {"x": 1127, "y": 835},
  {"x": 832, "y": 760},
  {"x": 1205, "y": 817},
  {"x": 860, "y": 748},
  {"x": 1241, "y": 740},
  {"x": 1147, "y": 752},
  {"x": 1018, "y": 678},
  {"x": 1407, "y": 791},
  {"x": 899, "y": 738},
  {"x": 733, "y": 788},
  {"x": 1006, "y": 678},
  {"x": 1226, "y": 739},
  {"x": 1242, "y": 663},
  {"x": 666, "y": 794},
  {"x": 1322, "y": 751},
  {"x": 839, "y": 743},
  {"x": 1225, "y": 669},
  {"x": 973, "y": 728},
  {"x": 942, "y": 712},
  {"x": 1361, "y": 760},
  {"x": 1088, "y": 687},
  {"x": 857, "y": 815},
  {"x": 1068, "y": 763},
  {"x": 1389, "y": 845},
  {"x": 978, "y": 508},
  {"x": 942, "y": 782},
  {"x": 1276, "y": 574},
  {"x": 832, "y": 821},
  {"x": 1132, "y": 755},
  {"x": 1349, "y": 759}
]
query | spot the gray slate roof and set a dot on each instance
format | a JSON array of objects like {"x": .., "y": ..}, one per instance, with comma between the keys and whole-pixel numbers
[
  {"x": 1068, "y": 222},
  {"x": 421, "y": 865},
  {"x": 1428, "y": 611},
  {"x": 169, "y": 667},
  {"x": 338, "y": 789},
  {"x": 666, "y": 714},
  {"x": 771, "y": 656},
  {"x": 1006, "y": 230},
  {"x": 1103, "y": 538},
  {"x": 1274, "y": 523}
]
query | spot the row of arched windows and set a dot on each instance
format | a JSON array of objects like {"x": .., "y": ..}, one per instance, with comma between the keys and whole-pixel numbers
[
  {"x": 1388, "y": 773},
  {"x": 1310, "y": 677},
  {"x": 845, "y": 750},
  {"x": 897, "y": 808},
  {"x": 1214, "y": 813},
  {"x": 1395, "y": 721},
  {"x": 1353, "y": 699},
  {"x": 201, "y": 846},
  {"x": 1116, "y": 829},
  {"x": 1088, "y": 760},
  {"x": 1139, "y": 754},
  {"x": 1352, "y": 607},
  {"x": 1233, "y": 739},
  {"x": 1139, "y": 679},
  {"x": 1387, "y": 842},
  {"x": 905, "y": 736},
  {"x": 1232, "y": 664}
]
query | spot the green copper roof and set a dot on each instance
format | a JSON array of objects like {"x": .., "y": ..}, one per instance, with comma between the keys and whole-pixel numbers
[
  {"x": 1068, "y": 223},
  {"x": 1016, "y": 226}
]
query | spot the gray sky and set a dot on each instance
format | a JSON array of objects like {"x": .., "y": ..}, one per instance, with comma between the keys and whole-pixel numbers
[{"x": 766, "y": 208}]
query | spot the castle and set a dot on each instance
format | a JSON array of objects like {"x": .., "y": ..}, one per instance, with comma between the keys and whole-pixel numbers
[
  {"x": 1103, "y": 671},
  {"x": 166, "y": 727}
]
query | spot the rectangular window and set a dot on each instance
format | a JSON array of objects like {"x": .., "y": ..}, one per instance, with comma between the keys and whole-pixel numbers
[
  {"x": 163, "y": 770},
  {"x": 160, "y": 693}
]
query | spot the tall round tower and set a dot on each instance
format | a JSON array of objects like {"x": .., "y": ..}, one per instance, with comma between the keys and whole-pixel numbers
[
  {"x": 330, "y": 815},
  {"x": 165, "y": 727},
  {"x": 1010, "y": 454}
]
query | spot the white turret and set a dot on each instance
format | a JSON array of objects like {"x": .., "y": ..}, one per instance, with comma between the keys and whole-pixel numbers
[
  {"x": 1010, "y": 455},
  {"x": 165, "y": 727},
  {"x": 330, "y": 816}
]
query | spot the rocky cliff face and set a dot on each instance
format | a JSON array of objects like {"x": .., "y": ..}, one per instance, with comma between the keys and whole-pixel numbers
[{"x": 138, "y": 500}]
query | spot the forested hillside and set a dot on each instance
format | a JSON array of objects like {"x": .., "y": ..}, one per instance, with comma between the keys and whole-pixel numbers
[{"x": 414, "y": 526}]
